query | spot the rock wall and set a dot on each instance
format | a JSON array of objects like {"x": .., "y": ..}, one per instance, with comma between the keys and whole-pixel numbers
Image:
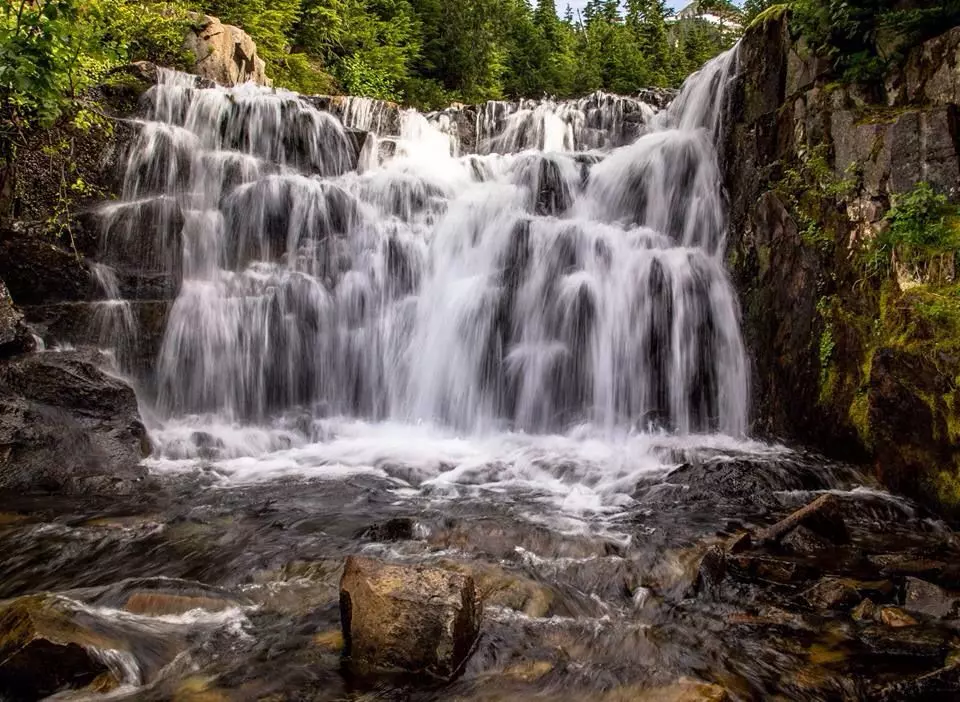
[{"x": 844, "y": 359}]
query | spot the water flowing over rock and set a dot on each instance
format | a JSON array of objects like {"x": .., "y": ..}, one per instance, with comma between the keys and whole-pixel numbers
[{"x": 553, "y": 277}]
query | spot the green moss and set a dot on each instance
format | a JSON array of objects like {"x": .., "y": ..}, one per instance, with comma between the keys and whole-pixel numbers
[
  {"x": 860, "y": 415},
  {"x": 772, "y": 14}
]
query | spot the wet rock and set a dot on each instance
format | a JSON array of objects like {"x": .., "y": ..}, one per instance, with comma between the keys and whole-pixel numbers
[
  {"x": 684, "y": 690},
  {"x": 927, "y": 598},
  {"x": 905, "y": 641},
  {"x": 803, "y": 541},
  {"x": 395, "y": 529},
  {"x": 14, "y": 336},
  {"x": 832, "y": 593},
  {"x": 159, "y": 596},
  {"x": 712, "y": 570},
  {"x": 907, "y": 564},
  {"x": 66, "y": 425},
  {"x": 939, "y": 685},
  {"x": 822, "y": 516},
  {"x": 895, "y": 617},
  {"x": 43, "y": 651},
  {"x": 762, "y": 567},
  {"x": 499, "y": 587},
  {"x": 866, "y": 611},
  {"x": 415, "y": 618},
  {"x": 224, "y": 53}
]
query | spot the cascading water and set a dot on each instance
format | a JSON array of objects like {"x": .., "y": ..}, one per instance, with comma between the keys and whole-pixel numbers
[{"x": 547, "y": 282}]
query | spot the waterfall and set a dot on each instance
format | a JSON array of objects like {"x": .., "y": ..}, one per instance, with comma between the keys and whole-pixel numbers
[{"x": 564, "y": 268}]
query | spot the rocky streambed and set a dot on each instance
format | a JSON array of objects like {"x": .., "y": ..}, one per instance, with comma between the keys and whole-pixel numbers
[{"x": 736, "y": 574}]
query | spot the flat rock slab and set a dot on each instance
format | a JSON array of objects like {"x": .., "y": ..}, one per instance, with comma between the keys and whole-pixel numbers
[{"x": 414, "y": 618}]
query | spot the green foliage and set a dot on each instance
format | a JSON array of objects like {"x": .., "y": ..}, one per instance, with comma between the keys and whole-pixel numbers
[
  {"x": 863, "y": 38},
  {"x": 921, "y": 226},
  {"x": 52, "y": 50},
  {"x": 807, "y": 185}
]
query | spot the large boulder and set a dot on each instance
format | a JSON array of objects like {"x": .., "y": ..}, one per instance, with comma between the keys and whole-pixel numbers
[
  {"x": 225, "y": 54},
  {"x": 410, "y": 617},
  {"x": 68, "y": 425}
]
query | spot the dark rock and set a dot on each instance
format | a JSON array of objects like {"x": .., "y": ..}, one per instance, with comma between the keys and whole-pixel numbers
[
  {"x": 66, "y": 425},
  {"x": 866, "y": 611},
  {"x": 907, "y": 564},
  {"x": 927, "y": 598},
  {"x": 941, "y": 684},
  {"x": 832, "y": 593},
  {"x": 770, "y": 568},
  {"x": 14, "y": 336},
  {"x": 821, "y": 516},
  {"x": 803, "y": 541},
  {"x": 904, "y": 641},
  {"x": 712, "y": 570},
  {"x": 413, "y": 618},
  {"x": 395, "y": 529}
]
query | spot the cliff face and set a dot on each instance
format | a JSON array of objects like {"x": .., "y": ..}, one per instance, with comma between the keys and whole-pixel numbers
[{"x": 858, "y": 363}]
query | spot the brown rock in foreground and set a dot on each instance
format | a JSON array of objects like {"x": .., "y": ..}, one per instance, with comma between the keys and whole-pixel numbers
[
  {"x": 410, "y": 617},
  {"x": 43, "y": 650}
]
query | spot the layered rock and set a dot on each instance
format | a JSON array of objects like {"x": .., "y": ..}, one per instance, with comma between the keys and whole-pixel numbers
[{"x": 845, "y": 359}]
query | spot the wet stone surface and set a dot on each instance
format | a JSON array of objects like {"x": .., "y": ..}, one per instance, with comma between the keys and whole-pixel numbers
[{"x": 196, "y": 589}]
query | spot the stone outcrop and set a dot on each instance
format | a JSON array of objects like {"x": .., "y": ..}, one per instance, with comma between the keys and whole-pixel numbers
[
  {"x": 225, "y": 54},
  {"x": 414, "y": 618},
  {"x": 14, "y": 336},
  {"x": 844, "y": 359},
  {"x": 68, "y": 426}
]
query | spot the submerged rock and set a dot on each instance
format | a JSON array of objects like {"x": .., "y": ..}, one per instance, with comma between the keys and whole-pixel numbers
[
  {"x": 67, "y": 425},
  {"x": 415, "y": 618}
]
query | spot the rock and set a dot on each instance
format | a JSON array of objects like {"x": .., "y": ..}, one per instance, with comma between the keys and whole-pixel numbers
[
  {"x": 762, "y": 567},
  {"x": 415, "y": 618},
  {"x": 67, "y": 425},
  {"x": 43, "y": 651},
  {"x": 712, "y": 571},
  {"x": 821, "y": 516},
  {"x": 915, "y": 641},
  {"x": 395, "y": 529},
  {"x": 866, "y": 611},
  {"x": 895, "y": 617},
  {"x": 803, "y": 541},
  {"x": 907, "y": 564},
  {"x": 832, "y": 593},
  {"x": 225, "y": 54},
  {"x": 684, "y": 690},
  {"x": 14, "y": 336},
  {"x": 939, "y": 685},
  {"x": 927, "y": 598}
]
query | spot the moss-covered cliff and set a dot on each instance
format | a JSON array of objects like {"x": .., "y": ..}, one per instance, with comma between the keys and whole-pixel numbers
[{"x": 853, "y": 332}]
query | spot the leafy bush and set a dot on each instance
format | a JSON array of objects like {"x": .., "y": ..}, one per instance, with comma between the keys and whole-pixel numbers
[
  {"x": 920, "y": 226},
  {"x": 863, "y": 38}
]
